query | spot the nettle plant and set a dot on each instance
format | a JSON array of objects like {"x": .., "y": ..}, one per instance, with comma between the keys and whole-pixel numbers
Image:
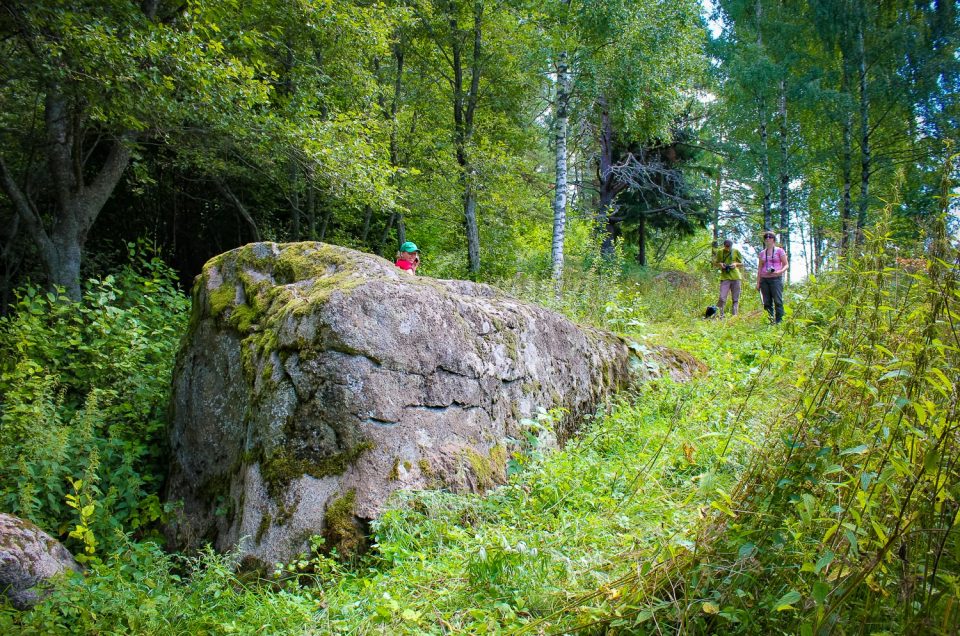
[
  {"x": 84, "y": 389},
  {"x": 849, "y": 508}
]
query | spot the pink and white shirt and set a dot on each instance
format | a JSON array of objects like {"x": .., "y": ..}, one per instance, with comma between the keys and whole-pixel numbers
[{"x": 775, "y": 258}]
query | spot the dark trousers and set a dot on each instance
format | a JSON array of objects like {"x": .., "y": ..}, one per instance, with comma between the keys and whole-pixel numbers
[{"x": 772, "y": 291}]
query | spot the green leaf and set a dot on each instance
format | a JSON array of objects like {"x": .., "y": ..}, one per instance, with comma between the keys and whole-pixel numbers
[
  {"x": 786, "y": 601},
  {"x": 820, "y": 592},
  {"x": 896, "y": 373},
  {"x": 825, "y": 560},
  {"x": 746, "y": 551},
  {"x": 856, "y": 450}
]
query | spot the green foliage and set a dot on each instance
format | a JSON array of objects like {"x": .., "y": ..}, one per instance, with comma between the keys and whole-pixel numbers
[
  {"x": 809, "y": 478},
  {"x": 543, "y": 553},
  {"x": 141, "y": 590},
  {"x": 85, "y": 388},
  {"x": 614, "y": 292},
  {"x": 850, "y": 499}
]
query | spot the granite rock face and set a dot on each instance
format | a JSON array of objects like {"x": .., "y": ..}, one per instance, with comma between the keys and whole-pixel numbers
[
  {"x": 28, "y": 557},
  {"x": 315, "y": 380}
]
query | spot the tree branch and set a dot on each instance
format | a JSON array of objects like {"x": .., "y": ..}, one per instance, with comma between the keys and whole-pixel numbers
[
  {"x": 242, "y": 209},
  {"x": 96, "y": 195},
  {"x": 24, "y": 209}
]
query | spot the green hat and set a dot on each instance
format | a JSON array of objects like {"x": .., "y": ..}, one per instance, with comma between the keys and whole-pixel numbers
[{"x": 409, "y": 246}]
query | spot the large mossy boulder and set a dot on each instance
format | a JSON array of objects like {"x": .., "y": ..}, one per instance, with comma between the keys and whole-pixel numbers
[{"x": 315, "y": 380}]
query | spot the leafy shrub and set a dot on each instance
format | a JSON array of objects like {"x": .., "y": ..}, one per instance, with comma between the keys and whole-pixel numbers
[
  {"x": 138, "y": 589},
  {"x": 847, "y": 511},
  {"x": 84, "y": 391}
]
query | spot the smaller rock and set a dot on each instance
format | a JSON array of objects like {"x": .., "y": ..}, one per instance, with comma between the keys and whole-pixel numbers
[
  {"x": 28, "y": 557},
  {"x": 678, "y": 279}
]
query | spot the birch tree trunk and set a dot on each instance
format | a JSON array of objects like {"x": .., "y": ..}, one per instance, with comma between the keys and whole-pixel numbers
[{"x": 560, "y": 191}]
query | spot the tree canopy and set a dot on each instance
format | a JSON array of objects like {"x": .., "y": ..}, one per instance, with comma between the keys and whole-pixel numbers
[{"x": 479, "y": 129}]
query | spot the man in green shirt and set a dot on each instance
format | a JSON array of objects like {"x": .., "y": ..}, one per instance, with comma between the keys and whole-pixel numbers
[{"x": 729, "y": 261}]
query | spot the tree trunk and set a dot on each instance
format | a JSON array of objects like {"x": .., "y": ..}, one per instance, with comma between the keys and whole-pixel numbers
[
  {"x": 79, "y": 200},
  {"x": 385, "y": 237},
  {"x": 762, "y": 121},
  {"x": 606, "y": 220},
  {"x": 240, "y": 207},
  {"x": 66, "y": 271},
  {"x": 311, "y": 213},
  {"x": 846, "y": 169},
  {"x": 716, "y": 207},
  {"x": 642, "y": 241},
  {"x": 325, "y": 223},
  {"x": 864, "y": 135},
  {"x": 294, "y": 203},
  {"x": 395, "y": 219},
  {"x": 367, "y": 213},
  {"x": 764, "y": 165},
  {"x": 560, "y": 191},
  {"x": 784, "y": 172},
  {"x": 401, "y": 230},
  {"x": 464, "y": 108}
]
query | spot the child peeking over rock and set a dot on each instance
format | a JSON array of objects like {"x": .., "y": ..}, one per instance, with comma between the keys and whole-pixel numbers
[{"x": 408, "y": 258}]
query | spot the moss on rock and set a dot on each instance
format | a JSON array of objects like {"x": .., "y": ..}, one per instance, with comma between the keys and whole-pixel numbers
[
  {"x": 394, "y": 470},
  {"x": 341, "y": 528},
  {"x": 265, "y": 522},
  {"x": 282, "y": 467},
  {"x": 487, "y": 471}
]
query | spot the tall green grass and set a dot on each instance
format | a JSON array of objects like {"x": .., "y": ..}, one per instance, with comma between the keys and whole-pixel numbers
[
  {"x": 845, "y": 518},
  {"x": 807, "y": 483}
]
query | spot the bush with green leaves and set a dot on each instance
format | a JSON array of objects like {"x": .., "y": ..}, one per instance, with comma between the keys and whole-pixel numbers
[
  {"x": 84, "y": 391},
  {"x": 847, "y": 512},
  {"x": 138, "y": 589}
]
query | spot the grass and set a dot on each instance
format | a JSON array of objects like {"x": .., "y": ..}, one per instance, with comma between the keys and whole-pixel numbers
[
  {"x": 530, "y": 556},
  {"x": 688, "y": 508}
]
